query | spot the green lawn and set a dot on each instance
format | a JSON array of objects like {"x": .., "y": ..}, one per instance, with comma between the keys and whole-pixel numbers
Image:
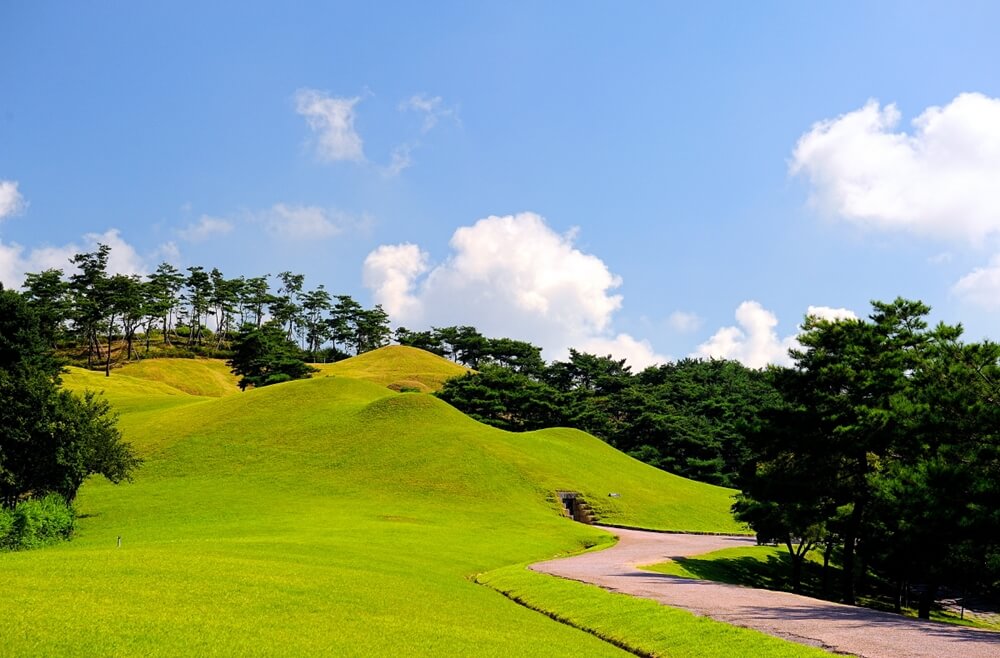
[
  {"x": 640, "y": 625},
  {"x": 329, "y": 516}
]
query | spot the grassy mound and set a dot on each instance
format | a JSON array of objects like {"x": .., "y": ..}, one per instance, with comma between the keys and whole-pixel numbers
[
  {"x": 398, "y": 367},
  {"x": 207, "y": 377},
  {"x": 325, "y": 516}
]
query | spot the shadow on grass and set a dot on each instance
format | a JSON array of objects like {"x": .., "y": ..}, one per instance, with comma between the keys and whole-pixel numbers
[{"x": 772, "y": 573}]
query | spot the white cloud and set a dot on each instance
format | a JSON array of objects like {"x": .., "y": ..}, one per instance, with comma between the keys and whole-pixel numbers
[
  {"x": 392, "y": 270},
  {"x": 940, "y": 180},
  {"x": 981, "y": 286},
  {"x": 303, "y": 222},
  {"x": 11, "y": 201},
  {"x": 205, "y": 228},
  {"x": 168, "y": 251},
  {"x": 684, "y": 322},
  {"x": 124, "y": 259},
  {"x": 432, "y": 108},
  {"x": 831, "y": 314},
  {"x": 16, "y": 261},
  {"x": 508, "y": 276},
  {"x": 332, "y": 122},
  {"x": 400, "y": 160},
  {"x": 638, "y": 353},
  {"x": 755, "y": 342}
]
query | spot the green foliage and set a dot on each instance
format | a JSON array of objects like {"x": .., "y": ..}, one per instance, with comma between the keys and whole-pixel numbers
[
  {"x": 884, "y": 444},
  {"x": 688, "y": 417},
  {"x": 504, "y": 398},
  {"x": 50, "y": 439},
  {"x": 266, "y": 356},
  {"x": 35, "y": 523}
]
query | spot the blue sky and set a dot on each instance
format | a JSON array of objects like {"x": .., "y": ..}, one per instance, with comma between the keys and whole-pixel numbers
[{"x": 655, "y": 180}]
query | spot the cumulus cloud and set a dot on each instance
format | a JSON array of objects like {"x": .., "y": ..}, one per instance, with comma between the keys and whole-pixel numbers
[
  {"x": 332, "y": 121},
  {"x": 16, "y": 260},
  {"x": 831, "y": 314},
  {"x": 508, "y": 276},
  {"x": 684, "y": 322},
  {"x": 11, "y": 201},
  {"x": 432, "y": 108},
  {"x": 939, "y": 180},
  {"x": 206, "y": 227},
  {"x": 392, "y": 271},
  {"x": 638, "y": 353},
  {"x": 755, "y": 341}
]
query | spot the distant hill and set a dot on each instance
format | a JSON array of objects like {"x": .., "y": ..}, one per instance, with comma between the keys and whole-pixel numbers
[{"x": 397, "y": 366}]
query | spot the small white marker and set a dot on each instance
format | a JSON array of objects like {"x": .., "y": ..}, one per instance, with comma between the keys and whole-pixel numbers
[{"x": 119, "y": 541}]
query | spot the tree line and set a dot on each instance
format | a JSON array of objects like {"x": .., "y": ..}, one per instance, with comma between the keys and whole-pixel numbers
[
  {"x": 879, "y": 446},
  {"x": 113, "y": 316},
  {"x": 687, "y": 417}
]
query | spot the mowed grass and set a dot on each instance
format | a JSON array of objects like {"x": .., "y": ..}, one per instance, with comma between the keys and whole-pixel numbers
[
  {"x": 397, "y": 366},
  {"x": 639, "y": 625},
  {"x": 206, "y": 377},
  {"x": 329, "y": 516}
]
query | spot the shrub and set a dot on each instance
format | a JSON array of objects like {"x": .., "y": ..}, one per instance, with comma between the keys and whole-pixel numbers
[{"x": 36, "y": 522}]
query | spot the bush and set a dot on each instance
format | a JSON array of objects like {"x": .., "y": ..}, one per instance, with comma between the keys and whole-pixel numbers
[{"x": 36, "y": 522}]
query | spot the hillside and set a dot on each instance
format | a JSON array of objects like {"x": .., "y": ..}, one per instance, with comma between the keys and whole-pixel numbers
[
  {"x": 397, "y": 366},
  {"x": 323, "y": 516}
]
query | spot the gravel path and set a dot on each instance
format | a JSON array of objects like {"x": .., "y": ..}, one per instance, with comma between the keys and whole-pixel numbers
[{"x": 835, "y": 627}]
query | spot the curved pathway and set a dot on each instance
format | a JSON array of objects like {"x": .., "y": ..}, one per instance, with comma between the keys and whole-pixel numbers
[{"x": 835, "y": 627}]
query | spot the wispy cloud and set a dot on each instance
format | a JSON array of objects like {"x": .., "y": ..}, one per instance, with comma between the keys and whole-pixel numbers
[
  {"x": 432, "y": 107},
  {"x": 206, "y": 227},
  {"x": 401, "y": 159},
  {"x": 299, "y": 222},
  {"x": 684, "y": 322},
  {"x": 331, "y": 120}
]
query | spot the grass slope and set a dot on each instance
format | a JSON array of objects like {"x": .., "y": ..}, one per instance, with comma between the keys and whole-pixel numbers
[
  {"x": 326, "y": 516},
  {"x": 206, "y": 377},
  {"x": 396, "y": 366}
]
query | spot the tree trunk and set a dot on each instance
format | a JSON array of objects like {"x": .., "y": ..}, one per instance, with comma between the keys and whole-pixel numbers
[
  {"x": 850, "y": 539},
  {"x": 107, "y": 363},
  {"x": 927, "y": 596},
  {"x": 827, "y": 551}
]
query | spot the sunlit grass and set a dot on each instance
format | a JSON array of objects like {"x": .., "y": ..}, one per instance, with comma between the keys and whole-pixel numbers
[
  {"x": 641, "y": 625},
  {"x": 329, "y": 516},
  {"x": 398, "y": 367}
]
